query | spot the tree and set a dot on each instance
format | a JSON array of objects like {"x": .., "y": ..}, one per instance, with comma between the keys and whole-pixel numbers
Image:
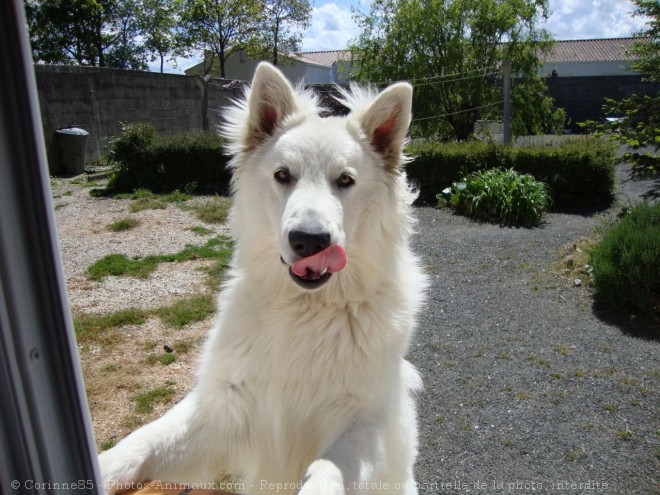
[
  {"x": 220, "y": 26},
  {"x": 278, "y": 19},
  {"x": 126, "y": 52},
  {"x": 638, "y": 122},
  {"x": 160, "y": 21},
  {"x": 452, "y": 51},
  {"x": 71, "y": 31},
  {"x": 103, "y": 33}
]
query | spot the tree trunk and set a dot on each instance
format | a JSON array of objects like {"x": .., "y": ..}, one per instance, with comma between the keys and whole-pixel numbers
[{"x": 276, "y": 33}]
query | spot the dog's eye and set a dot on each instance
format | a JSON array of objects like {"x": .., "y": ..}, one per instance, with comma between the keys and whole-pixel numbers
[
  {"x": 345, "y": 181},
  {"x": 283, "y": 176}
]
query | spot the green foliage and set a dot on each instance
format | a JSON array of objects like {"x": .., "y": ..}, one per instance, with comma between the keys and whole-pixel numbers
[
  {"x": 275, "y": 35},
  {"x": 220, "y": 26},
  {"x": 638, "y": 127},
  {"x": 579, "y": 173},
  {"x": 497, "y": 194},
  {"x": 184, "y": 162},
  {"x": 638, "y": 124},
  {"x": 532, "y": 109},
  {"x": 451, "y": 50},
  {"x": 626, "y": 263},
  {"x": 646, "y": 52},
  {"x": 159, "y": 20},
  {"x": 102, "y": 33},
  {"x": 217, "y": 248}
]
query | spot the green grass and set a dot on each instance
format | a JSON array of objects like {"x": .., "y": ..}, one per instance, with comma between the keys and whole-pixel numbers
[
  {"x": 123, "y": 224},
  {"x": 145, "y": 402},
  {"x": 184, "y": 312},
  {"x": 120, "y": 265},
  {"x": 217, "y": 248},
  {"x": 107, "y": 445},
  {"x": 212, "y": 211},
  {"x": 166, "y": 359},
  {"x": 147, "y": 204},
  {"x": 96, "y": 328},
  {"x": 200, "y": 230}
]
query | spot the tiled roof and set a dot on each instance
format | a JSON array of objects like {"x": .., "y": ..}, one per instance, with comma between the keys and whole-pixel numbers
[
  {"x": 597, "y": 50},
  {"x": 326, "y": 58}
]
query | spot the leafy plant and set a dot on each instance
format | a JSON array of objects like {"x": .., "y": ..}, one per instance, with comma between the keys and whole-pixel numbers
[
  {"x": 497, "y": 194},
  {"x": 626, "y": 263}
]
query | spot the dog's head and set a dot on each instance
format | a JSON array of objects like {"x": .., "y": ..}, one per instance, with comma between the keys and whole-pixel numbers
[{"x": 306, "y": 185}]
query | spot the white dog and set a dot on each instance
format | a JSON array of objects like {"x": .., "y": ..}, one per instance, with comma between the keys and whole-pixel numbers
[{"x": 303, "y": 386}]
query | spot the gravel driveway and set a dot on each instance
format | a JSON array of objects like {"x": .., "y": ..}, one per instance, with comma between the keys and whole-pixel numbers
[{"x": 528, "y": 388}]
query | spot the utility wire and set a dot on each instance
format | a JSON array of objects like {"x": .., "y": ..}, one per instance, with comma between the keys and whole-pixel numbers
[
  {"x": 459, "y": 111},
  {"x": 443, "y": 76},
  {"x": 417, "y": 85},
  {"x": 432, "y": 83}
]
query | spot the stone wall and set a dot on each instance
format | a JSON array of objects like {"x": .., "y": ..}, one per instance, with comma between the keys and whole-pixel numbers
[{"x": 99, "y": 100}]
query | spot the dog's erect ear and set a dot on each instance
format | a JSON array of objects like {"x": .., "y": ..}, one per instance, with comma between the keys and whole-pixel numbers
[
  {"x": 271, "y": 101},
  {"x": 386, "y": 122}
]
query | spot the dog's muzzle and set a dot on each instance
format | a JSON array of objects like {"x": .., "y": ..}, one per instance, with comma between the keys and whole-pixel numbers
[{"x": 319, "y": 258}]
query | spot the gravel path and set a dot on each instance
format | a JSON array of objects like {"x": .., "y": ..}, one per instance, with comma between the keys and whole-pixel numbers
[{"x": 529, "y": 389}]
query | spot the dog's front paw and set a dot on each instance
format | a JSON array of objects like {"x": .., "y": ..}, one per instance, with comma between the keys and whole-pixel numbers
[
  {"x": 323, "y": 478},
  {"x": 120, "y": 472}
]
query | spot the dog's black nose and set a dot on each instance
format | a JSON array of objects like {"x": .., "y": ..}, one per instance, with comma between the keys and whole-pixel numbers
[{"x": 305, "y": 244}]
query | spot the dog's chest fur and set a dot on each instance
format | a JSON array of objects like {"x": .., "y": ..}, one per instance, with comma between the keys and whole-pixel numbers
[{"x": 313, "y": 368}]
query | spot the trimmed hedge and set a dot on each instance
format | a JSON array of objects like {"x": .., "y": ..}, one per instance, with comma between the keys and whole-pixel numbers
[
  {"x": 579, "y": 174},
  {"x": 626, "y": 262},
  {"x": 192, "y": 162}
]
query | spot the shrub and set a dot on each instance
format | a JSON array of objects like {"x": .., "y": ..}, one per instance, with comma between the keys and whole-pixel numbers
[
  {"x": 626, "y": 263},
  {"x": 578, "y": 173},
  {"x": 503, "y": 195},
  {"x": 184, "y": 162}
]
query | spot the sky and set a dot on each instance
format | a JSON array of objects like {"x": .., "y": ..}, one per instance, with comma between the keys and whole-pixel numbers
[{"x": 332, "y": 25}]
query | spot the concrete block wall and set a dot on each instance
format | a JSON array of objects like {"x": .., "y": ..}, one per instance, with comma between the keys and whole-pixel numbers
[{"x": 99, "y": 100}]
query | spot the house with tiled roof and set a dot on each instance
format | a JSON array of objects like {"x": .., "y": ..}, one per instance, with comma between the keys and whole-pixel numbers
[
  {"x": 595, "y": 57},
  {"x": 579, "y": 74},
  {"x": 321, "y": 67},
  {"x": 567, "y": 58}
]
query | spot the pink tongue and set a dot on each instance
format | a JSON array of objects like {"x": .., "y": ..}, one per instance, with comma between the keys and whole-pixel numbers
[{"x": 332, "y": 258}]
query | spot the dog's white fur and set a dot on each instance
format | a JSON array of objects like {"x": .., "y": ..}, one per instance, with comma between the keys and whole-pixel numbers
[{"x": 303, "y": 390}]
